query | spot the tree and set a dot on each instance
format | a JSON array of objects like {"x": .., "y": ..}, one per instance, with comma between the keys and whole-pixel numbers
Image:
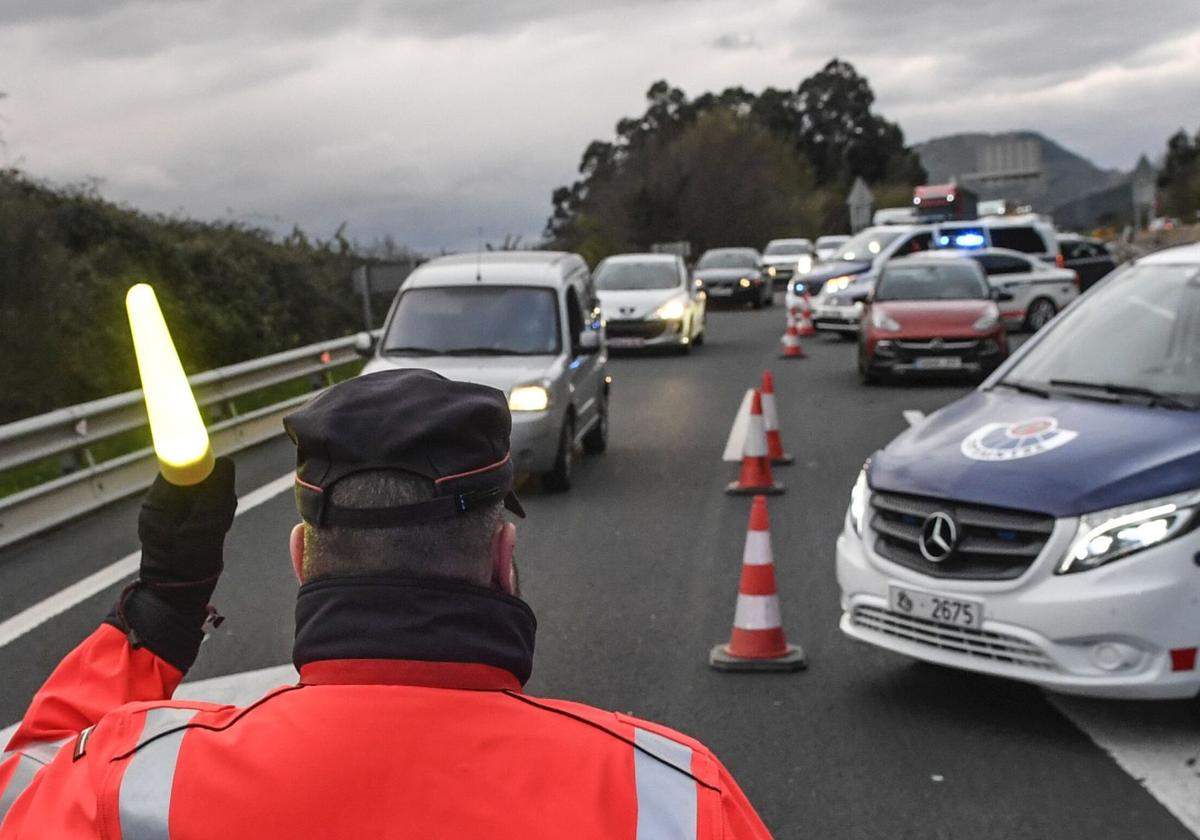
[
  {"x": 666, "y": 172},
  {"x": 1179, "y": 180}
]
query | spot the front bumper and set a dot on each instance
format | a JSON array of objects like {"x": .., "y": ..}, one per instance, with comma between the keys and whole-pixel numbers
[
  {"x": 837, "y": 318},
  {"x": 625, "y": 335},
  {"x": 534, "y": 439},
  {"x": 1043, "y": 628},
  {"x": 971, "y": 356},
  {"x": 734, "y": 294}
]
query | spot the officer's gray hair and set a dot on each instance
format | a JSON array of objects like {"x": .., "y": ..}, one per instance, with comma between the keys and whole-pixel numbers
[{"x": 458, "y": 547}]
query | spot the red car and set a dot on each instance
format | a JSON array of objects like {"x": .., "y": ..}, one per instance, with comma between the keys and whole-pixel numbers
[{"x": 931, "y": 316}]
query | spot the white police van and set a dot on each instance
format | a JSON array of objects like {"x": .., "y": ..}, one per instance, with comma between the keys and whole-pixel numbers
[{"x": 1045, "y": 527}]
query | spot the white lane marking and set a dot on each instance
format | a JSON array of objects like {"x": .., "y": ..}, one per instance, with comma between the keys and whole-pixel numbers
[
  {"x": 1154, "y": 749},
  {"x": 41, "y": 612},
  {"x": 737, "y": 433},
  {"x": 233, "y": 689},
  {"x": 913, "y": 417}
]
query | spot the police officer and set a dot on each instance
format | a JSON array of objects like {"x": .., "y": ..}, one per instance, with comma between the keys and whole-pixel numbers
[{"x": 412, "y": 644}]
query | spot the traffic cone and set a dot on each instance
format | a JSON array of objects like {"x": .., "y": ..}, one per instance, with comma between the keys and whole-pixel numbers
[
  {"x": 757, "y": 642},
  {"x": 755, "y": 475},
  {"x": 771, "y": 422},
  {"x": 791, "y": 343},
  {"x": 806, "y": 327}
]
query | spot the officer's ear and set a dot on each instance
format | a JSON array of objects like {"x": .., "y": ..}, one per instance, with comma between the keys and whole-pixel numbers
[
  {"x": 296, "y": 545},
  {"x": 504, "y": 571}
]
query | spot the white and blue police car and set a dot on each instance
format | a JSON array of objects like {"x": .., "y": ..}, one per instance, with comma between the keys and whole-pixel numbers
[{"x": 1046, "y": 527}]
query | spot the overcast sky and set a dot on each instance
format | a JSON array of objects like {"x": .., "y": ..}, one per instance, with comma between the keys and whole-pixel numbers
[{"x": 428, "y": 119}]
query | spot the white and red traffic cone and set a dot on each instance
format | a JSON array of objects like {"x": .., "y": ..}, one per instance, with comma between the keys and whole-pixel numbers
[
  {"x": 775, "y": 449},
  {"x": 755, "y": 475},
  {"x": 792, "y": 349},
  {"x": 757, "y": 642},
  {"x": 805, "y": 327}
]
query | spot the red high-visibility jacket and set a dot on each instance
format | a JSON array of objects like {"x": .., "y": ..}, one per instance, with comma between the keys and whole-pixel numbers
[{"x": 361, "y": 748}]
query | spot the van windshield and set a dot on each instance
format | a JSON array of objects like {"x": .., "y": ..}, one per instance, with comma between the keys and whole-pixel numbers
[
  {"x": 1135, "y": 337},
  {"x": 474, "y": 321},
  {"x": 867, "y": 245}
]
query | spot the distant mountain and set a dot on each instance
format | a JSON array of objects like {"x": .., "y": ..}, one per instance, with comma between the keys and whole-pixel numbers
[{"x": 1066, "y": 175}]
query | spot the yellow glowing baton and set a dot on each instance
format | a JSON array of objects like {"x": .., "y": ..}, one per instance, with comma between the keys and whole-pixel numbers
[{"x": 180, "y": 439}]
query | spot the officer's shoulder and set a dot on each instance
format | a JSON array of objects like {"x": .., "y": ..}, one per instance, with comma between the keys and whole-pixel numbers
[{"x": 626, "y": 728}]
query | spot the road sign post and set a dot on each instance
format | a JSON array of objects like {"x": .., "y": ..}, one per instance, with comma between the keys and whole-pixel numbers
[{"x": 860, "y": 201}]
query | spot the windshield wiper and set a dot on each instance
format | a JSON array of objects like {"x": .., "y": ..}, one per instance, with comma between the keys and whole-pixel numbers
[
  {"x": 1117, "y": 390},
  {"x": 1024, "y": 388},
  {"x": 415, "y": 351}
]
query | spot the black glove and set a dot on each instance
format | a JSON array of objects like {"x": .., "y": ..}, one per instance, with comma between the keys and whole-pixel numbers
[{"x": 182, "y": 530}]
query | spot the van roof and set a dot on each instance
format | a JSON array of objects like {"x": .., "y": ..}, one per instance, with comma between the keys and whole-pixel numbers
[
  {"x": 510, "y": 268},
  {"x": 643, "y": 257}
]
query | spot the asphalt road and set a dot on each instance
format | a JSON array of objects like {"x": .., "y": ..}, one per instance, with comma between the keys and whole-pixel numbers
[{"x": 633, "y": 576}]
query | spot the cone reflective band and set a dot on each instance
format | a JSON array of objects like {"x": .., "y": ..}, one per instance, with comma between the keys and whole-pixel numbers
[
  {"x": 775, "y": 449},
  {"x": 180, "y": 439}
]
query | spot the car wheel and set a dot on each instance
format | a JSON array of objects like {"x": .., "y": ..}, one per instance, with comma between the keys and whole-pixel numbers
[
  {"x": 596, "y": 440},
  {"x": 699, "y": 339},
  {"x": 1040, "y": 312},
  {"x": 757, "y": 303},
  {"x": 558, "y": 480},
  {"x": 848, "y": 336}
]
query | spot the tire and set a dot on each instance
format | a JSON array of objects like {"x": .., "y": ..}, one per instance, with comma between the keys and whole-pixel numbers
[
  {"x": 757, "y": 303},
  {"x": 1039, "y": 314},
  {"x": 865, "y": 374},
  {"x": 596, "y": 440},
  {"x": 558, "y": 480},
  {"x": 846, "y": 336},
  {"x": 698, "y": 341}
]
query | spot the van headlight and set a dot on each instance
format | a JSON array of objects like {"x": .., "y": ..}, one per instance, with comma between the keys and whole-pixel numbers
[
  {"x": 858, "y": 500},
  {"x": 836, "y": 284},
  {"x": 672, "y": 310},
  {"x": 1109, "y": 535},
  {"x": 528, "y": 398}
]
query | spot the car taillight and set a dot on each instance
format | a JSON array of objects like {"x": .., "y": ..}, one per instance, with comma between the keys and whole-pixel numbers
[{"x": 1060, "y": 260}]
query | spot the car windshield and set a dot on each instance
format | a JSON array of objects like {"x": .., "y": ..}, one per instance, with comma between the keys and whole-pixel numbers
[
  {"x": 1139, "y": 331},
  {"x": 620, "y": 276},
  {"x": 775, "y": 249},
  {"x": 474, "y": 320},
  {"x": 728, "y": 259},
  {"x": 953, "y": 281},
  {"x": 866, "y": 245}
]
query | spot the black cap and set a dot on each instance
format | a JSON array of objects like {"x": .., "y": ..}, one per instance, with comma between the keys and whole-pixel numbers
[{"x": 453, "y": 433}]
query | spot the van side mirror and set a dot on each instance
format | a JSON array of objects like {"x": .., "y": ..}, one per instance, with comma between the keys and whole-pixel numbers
[
  {"x": 589, "y": 341},
  {"x": 364, "y": 344}
]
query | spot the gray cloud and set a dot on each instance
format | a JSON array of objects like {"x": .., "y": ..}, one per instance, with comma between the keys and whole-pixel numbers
[{"x": 427, "y": 119}]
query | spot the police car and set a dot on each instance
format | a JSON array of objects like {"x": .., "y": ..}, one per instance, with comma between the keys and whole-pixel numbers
[{"x": 1045, "y": 527}]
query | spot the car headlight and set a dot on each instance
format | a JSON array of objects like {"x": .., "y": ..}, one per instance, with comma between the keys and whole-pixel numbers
[
  {"x": 770, "y": 271},
  {"x": 988, "y": 320},
  {"x": 858, "y": 500},
  {"x": 744, "y": 282},
  {"x": 528, "y": 398},
  {"x": 804, "y": 265},
  {"x": 1109, "y": 535},
  {"x": 836, "y": 284},
  {"x": 672, "y": 310},
  {"x": 882, "y": 321}
]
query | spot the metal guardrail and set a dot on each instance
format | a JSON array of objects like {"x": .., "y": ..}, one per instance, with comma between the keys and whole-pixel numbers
[{"x": 71, "y": 433}]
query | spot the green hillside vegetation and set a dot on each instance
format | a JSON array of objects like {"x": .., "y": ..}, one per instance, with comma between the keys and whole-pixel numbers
[
  {"x": 229, "y": 292},
  {"x": 734, "y": 168}
]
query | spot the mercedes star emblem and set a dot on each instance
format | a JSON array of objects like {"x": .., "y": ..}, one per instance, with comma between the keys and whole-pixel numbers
[{"x": 939, "y": 536}]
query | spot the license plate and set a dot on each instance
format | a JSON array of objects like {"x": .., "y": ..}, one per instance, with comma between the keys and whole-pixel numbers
[
  {"x": 943, "y": 609},
  {"x": 719, "y": 291},
  {"x": 618, "y": 343},
  {"x": 938, "y": 363}
]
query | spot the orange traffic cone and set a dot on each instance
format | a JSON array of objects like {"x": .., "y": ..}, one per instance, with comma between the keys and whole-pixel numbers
[
  {"x": 791, "y": 343},
  {"x": 755, "y": 475},
  {"x": 757, "y": 642},
  {"x": 806, "y": 324},
  {"x": 771, "y": 422}
]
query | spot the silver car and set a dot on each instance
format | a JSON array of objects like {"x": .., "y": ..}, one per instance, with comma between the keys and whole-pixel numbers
[{"x": 525, "y": 322}]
